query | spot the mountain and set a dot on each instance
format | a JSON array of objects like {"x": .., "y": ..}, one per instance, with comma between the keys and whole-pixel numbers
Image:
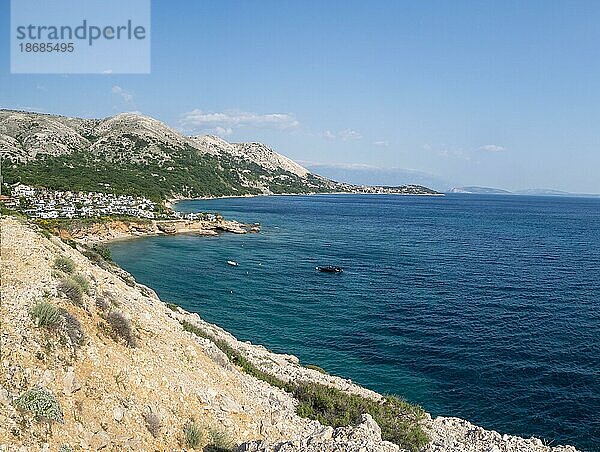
[
  {"x": 480, "y": 191},
  {"x": 543, "y": 192},
  {"x": 374, "y": 175},
  {"x": 133, "y": 154}
]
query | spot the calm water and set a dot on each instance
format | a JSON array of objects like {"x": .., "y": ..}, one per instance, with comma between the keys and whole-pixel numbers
[{"x": 482, "y": 307}]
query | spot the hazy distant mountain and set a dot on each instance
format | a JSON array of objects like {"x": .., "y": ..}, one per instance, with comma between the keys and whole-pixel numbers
[
  {"x": 133, "y": 154},
  {"x": 372, "y": 175},
  {"x": 480, "y": 190},
  {"x": 542, "y": 192}
]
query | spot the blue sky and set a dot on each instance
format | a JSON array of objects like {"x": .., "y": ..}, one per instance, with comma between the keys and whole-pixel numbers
[{"x": 497, "y": 93}]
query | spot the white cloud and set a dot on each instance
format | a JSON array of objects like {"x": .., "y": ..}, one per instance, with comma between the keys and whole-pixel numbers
[
  {"x": 125, "y": 96},
  {"x": 224, "y": 123},
  {"x": 344, "y": 135},
  {"x": 381, "y": 143},
  {"x": 457, "y": 154},
  {"x": 223, "y": 131},
  {"x": 491, "y": 148}
]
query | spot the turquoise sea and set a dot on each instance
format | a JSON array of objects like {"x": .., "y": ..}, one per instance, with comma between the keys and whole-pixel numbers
[{"x": 481, "y": 307}]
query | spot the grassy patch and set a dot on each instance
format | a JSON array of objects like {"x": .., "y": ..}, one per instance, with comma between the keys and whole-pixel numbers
[
  {"x": 191, "y": 434},
  {"x": 45, "y": 314},
  {"x": 172, "y": 306},
  {"x": 42, "y": 403},
  {"x": 72, "y": 290},
  {"x": 103, "y": 251},
  {"x": 82, "y": 282},
  {"x": 64, "y": 264},
  {"x": 399, "y": 420},
  {"x": 219, "y": 441}
]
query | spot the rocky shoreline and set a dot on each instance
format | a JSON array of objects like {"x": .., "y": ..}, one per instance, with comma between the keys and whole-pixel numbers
[
  {"x": 107, "y": 389},
  {"x": 107, "y": 231}
]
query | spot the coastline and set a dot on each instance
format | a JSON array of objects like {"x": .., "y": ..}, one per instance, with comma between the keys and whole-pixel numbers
[
  {"x": 263, "y": 417},
  {"x": 171, "y": 202},
  {"x": 117, "y": 230}
]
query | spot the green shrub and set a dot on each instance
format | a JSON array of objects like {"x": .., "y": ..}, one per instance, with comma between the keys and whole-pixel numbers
[
  {"x": 82, "y": 282},
  {"x": 121, "y": 327},
  {"x": 172, "y": 306},
  {"x": 65, "y": 448},
  {"x": 42, "y": 403},
  {"x": 103, "y": 251},
  {"x": 64, "y": 264},
  {"x": 219, "y": 441},
  {"x": 191, "y": 434},
  {"x": 45, "y": 314},
  {"x": 72, "y": 290},
  {"x": 399, "y": 420}
]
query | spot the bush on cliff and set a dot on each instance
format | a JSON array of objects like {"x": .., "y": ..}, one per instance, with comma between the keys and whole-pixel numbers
[
  {"x": 64, "y": 264},
  {"x": 41, "y": 403},
  {"x": 121, "y": 328},
  {"x": 45, "y": 314},
  {"x": 72, "y": 290},
  {"x": 399, "y": 421},
  {"x": 191, "y": 434}
]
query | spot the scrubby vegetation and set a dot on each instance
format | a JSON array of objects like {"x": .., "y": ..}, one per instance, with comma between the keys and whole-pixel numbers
[
  {"x": 103, "y": 251},
  {"x": 101, "y": 303},
  {"x": 192, "y": 434},
  {"x": 153, "y": 424},
  {"x": 82, "y": 282},
  {"x": 219, "y": 441},
  {"x": 399, "y": 420},
  {"x": 64, "y": 264},
  {"x": 45, "y": 314},
  {"x": 42, "y": 403},
  {"x": 317, "y": 368},
  {"x": 72, "y": 290},
  {"x": 71, "y": 327},
  {"x": 121, "y": 328},
  {"x": 172, "y": 306}
]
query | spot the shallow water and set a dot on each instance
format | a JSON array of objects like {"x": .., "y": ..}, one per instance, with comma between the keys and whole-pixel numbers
[{"x": 481, "y": 307}]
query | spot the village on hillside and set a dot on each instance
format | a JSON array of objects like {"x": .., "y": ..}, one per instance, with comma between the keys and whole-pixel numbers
[{"x": 39, "y": 202}]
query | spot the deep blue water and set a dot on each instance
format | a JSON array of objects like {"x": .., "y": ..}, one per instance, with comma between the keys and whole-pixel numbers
[{"x": 481, "y": 307}]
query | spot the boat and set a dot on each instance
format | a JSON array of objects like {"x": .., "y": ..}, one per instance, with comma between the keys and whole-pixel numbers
[
  {"x": 232, "y": 263},
  {"x": 330, "y": 269}
]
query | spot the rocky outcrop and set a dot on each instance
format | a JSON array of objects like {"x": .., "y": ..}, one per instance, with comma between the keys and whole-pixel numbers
[
  {"x": 140, "y": 394},
  {"x": 365, "y": 437},
  {"x": 121, "y": 229}
]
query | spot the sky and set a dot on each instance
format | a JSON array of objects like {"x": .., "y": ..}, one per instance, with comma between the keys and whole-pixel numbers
[{"x": 497, "y": 93}]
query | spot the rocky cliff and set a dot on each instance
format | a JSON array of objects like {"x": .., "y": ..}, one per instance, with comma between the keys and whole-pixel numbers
[{"x": 91, "y": 360}]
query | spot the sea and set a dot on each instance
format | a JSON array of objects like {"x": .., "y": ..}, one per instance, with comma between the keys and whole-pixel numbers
[{"x": 484, "y": 307}]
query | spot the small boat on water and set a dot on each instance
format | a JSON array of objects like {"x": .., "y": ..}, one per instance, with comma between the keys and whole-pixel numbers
[
  {"x": 232, "y": 263},
  {"x": 330, "y": 269}
]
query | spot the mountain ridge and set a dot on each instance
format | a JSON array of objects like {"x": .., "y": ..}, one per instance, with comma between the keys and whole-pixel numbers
[{"x": 131, "y": 153}]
